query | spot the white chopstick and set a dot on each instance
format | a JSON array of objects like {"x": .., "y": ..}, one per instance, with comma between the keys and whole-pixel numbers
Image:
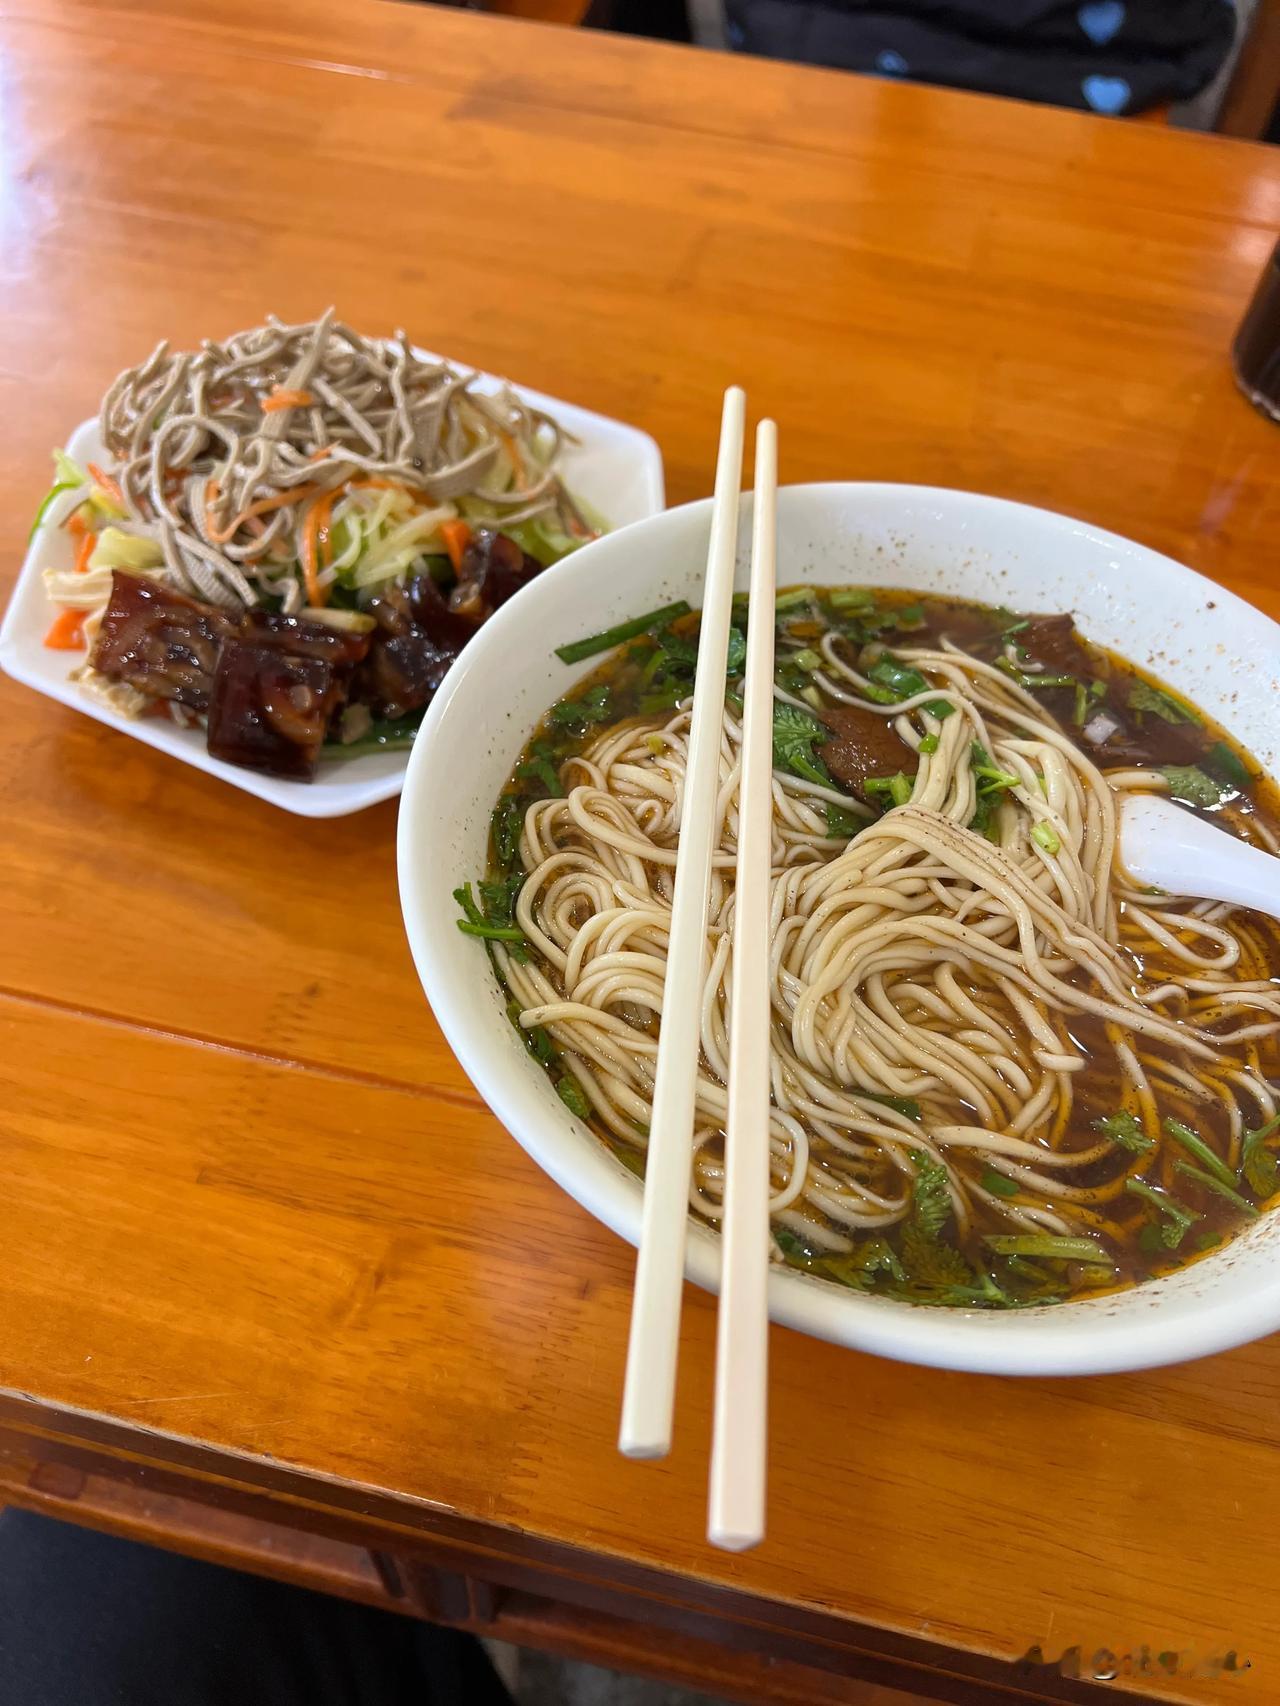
[
  {"x": 735, "y": 1517},
  {"x": 649, "y": 1395}
]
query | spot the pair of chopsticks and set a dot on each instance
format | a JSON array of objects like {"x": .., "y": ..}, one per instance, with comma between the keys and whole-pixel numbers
[{"x": 736, "y": 1510}]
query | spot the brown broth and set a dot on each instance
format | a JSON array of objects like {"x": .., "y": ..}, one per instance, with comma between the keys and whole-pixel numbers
[{"x": 1155, "y": 727}]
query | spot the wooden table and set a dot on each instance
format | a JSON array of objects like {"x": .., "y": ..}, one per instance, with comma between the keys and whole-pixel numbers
[{"x": 279, "y": 1290}]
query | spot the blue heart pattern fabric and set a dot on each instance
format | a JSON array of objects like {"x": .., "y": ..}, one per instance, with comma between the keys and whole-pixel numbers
[
  {"x": 1105, "y": 56},
  {"x": 1101, "y": 20},
  {"x": 1106, "y": 94}
]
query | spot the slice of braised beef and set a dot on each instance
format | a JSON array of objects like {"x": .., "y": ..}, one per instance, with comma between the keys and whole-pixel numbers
[
  {"x": 270, "y": 708},
  {"x": 420, "y": 632},
  {"x": 402, "y": 674},
  {"x": 493, "y": 569},
  {"x": 1053, "y": 642},
  {"x": 416, "y": 639},
  {"x": 1140, "y": 737},
  {"x": 430, "y": 610},
  {"x": 279, "y": 683},
  {"x": 1133, "y": 736},
  {"x": 159, "y": 641},
  {"x": 861, "y": 745},
  {"x": 341, "y": 648}
]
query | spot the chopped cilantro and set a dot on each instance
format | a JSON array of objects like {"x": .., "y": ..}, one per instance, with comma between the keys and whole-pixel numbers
[
  {"x": 1047, "y": 1247},
  {"x": 999, "y": 1184},
  {"x": 894, "y": 680},
  {"x": 796, "y": 1249},
  {"x": 539, "y": 768},
  {"x": 535, "y": 1039},
  {"x": 1210, "y": 1183},
  {"x": 842, "y": 824},
  {"x": 477, "y": 923},
  {"x": 1196, "y": 1146},
  {"x": 858, "y": 1268},
  {"x": 795, "y": 734},
  {"x": 508, "y": 821},
  {"x": 1167, "y": 1233},
  {"x": 575, "y": 715},
  {"x": 1258, "y": 1165},
  {"x": 1145, "y": 696},
  {"x": 1189, "y": 783},
  {"x": 1125, "y": 1130},
  {"x": 906, "y": 1105}
]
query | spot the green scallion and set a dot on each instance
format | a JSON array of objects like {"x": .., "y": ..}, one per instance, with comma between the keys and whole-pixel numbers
[{"x": 608, "y": 638}]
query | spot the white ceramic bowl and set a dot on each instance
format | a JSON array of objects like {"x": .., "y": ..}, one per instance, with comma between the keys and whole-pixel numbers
[{"x": 1212, "y": 646}]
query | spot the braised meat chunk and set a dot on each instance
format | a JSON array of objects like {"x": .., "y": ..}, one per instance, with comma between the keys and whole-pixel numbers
[
  {"x": 159, "y": 641},
  {"x": 1053, "y": 642},
  {"x": 341, "y": 648},
  {"x": 270, "y": 710},
  {"x": 279, "y": 683},
  {"x": 417, "y": 637},
  {"x": 863, "y": 744},
  {"x": 493, "y": 569}
]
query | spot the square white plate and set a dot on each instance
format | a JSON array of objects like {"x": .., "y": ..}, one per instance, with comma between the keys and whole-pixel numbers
[{"x": 616, "y": 468}]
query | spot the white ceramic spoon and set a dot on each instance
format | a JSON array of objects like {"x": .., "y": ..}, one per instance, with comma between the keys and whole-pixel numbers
[{"x": 1172, "y": 849}]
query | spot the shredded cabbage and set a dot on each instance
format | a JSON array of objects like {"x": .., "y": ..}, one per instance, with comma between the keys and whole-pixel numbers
[
  {"x": 116, "y": 549},
  {"x": 69, "y": 477},
  {"x": 379, "y": 534},
  {"x": 69, "y": 471}
]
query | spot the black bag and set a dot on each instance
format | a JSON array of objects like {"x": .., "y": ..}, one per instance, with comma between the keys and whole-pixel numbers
[{"x": 1112, "y": 56}]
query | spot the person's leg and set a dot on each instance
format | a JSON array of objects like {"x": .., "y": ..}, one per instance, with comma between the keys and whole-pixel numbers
[{"x": 88, "y": 1620}]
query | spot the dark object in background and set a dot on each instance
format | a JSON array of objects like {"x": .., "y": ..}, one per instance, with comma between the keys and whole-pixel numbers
[
  {"x": 87, "y": 1620},
  {"x": 1255, "y": 355},
  {"x": 663, "y": 20},
  {"x": 1108, "y": 56}
]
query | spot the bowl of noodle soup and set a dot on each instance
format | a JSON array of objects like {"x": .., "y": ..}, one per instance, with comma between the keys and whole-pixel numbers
[{"x": 1006, "y": 1080}]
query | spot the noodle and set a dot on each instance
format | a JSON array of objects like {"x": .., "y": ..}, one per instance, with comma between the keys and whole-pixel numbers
[
  {"x": 219, "y": 453},
  {"x": 930, "y": 984}
]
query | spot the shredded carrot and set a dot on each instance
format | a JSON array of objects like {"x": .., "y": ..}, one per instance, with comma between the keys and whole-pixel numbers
[
  {"x": 319, "y": 455},
  {"x": 109, "y": 486},
  {"x": 84, "y": 551},
  {"x": 279, "y": 398},
  {"x": 295, "y": 495},
  {"x": 326, "y": 504},
  {"x": 456, "y": 536},
  {"x": 75, "y": 524},
  {"x": 315, "y": 538},
  {"x": 517, "y": 461},
  {"x": 66, "y": 631}
]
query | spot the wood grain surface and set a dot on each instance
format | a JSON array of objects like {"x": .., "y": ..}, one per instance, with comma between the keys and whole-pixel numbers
[{"x": 251, "y": 1202}]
